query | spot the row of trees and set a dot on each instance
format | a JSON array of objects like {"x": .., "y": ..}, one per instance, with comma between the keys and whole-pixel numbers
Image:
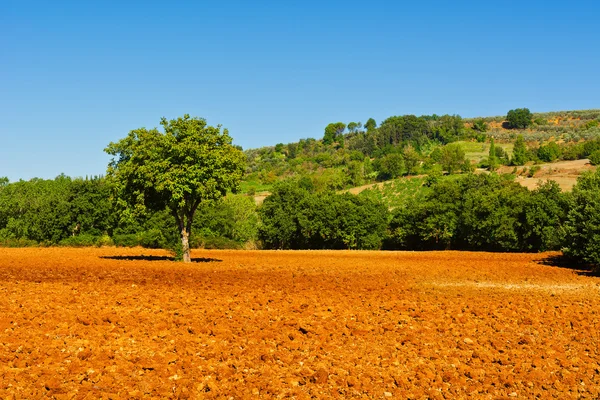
[
  {"x": 468, "y": 212},
  {"x": 65, "y": 211}
]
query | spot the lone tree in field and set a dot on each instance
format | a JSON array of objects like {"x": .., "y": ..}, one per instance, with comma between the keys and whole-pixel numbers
[{"x": 189, "y": 163}]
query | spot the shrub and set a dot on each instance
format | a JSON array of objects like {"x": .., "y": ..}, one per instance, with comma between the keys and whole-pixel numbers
[
  {"x": 595, "y": 158},
  {"x": 104, "y": 240},
  {"x": 549, "y": 152},
  {"x": 217, "y": 242},
  {"x": 152, "y": 239},
  {"x": 83, "y": 240},
  {"x": 18, "y": 242},
  {"x": 533, "y": 170},
  {"x": 126, "y": 240}
]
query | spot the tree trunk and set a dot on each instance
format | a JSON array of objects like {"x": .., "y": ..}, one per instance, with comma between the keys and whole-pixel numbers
[
  {"x": 184, "y": 219},
  {"x": 185, "y": 244}
]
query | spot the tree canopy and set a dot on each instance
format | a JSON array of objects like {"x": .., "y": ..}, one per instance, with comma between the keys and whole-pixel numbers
[
  {"x": 519, "y": 118},
  {"x": 191, "y": 162}
]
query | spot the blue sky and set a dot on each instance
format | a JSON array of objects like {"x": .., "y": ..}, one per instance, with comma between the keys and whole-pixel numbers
[{"x": 76, "y": 75}]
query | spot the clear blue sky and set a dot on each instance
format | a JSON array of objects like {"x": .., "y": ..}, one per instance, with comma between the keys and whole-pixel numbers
[{"x": 76, "y": 75}]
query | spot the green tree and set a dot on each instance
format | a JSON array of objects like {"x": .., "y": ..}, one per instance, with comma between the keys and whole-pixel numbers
[
  {"x": 519, "y": 118},
  {"x": 370, "y": 125},
  {"x": 519, "y": 152},
  {"x": 492, "y": 159},
  {"x": 189, "y": 163},
  {"x": 353, "y": 126},
  {"x": 333, "y": 132},
  {"x": 545, "y": 212},
  {"x": 452, "y": 158},
  {"x": 390, "y": 166},
  {"x": 582, "y": 225},
  {"x": 411, "y": 160},
  {"x": 549, "y": 152}
]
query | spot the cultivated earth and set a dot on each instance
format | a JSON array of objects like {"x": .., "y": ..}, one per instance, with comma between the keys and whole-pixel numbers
[{"x": 128, "y": 324}]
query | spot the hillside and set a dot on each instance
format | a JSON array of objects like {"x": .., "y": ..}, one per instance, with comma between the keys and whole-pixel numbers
[{"x": 353, "y": 155}]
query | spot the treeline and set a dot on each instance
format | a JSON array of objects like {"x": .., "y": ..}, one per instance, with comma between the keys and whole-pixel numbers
[
  {"x": 486, "y": 212},
  {"x": 462, "y": 212},
  {"x": 81, "y": 212}
]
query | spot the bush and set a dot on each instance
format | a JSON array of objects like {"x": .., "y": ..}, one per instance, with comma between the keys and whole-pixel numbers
[
  {"x": 79, "y": 241},
  {"x": 126, "y": 240},
  {"x": 595, "y": 158},
  {"x": 533, "y": 170},
  {"x": 20, "y": 242},
  {"x": 216, "y": 242},
  {"x": 152, "y": 239},
  {"x": 549, "y": 152},
  {"x": 104, "y": 240}
]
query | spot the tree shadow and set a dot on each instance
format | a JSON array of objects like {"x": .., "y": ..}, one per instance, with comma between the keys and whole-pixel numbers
[
  {"x": 158, "y": 258},
  {"x": 562, "y": 261}
]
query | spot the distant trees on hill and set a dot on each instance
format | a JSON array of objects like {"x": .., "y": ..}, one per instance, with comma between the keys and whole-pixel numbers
[{"x": 519, "y": 118}]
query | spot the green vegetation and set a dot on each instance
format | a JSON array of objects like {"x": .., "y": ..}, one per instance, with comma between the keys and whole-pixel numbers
[
  {"x": 582, "y": 225},
  {"x": 176, "y": 190},
  {"x": 190, "y": 163},
  {"x": 520, "y": 118}
]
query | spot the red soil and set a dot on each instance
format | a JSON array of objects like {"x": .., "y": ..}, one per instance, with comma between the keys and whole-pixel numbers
[{"x": 249, "y": 324}]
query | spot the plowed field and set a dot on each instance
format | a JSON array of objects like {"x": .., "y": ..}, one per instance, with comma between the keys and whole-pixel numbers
[{"x": 119, "y": 324}]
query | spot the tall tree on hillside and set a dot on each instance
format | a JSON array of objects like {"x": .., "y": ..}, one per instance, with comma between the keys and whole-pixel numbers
[
  {"x": 370, "y": 125},
  {"x": 519, "y": 152},
  {"x": 492, "y": 159},
  {"x": 519, "y": 118},
  {"x": 189, "y": 163},
  {"x": 333, "y": 132}
]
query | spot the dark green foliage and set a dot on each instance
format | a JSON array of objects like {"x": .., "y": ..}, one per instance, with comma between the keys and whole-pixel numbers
[
  {"x": 370, "y": 125},
  {"x": 216, "y": 242},
  {"x": 49, "y": 211},
  {"x": 519, "y": 118},
  {"x": 232, "y": 219},
  {"x": 279, "y": 214},
  {"x": 18, "y": 242},
  {"x": 480, "y": 212},
  {"x": 126, "y": 240},
  {"x": 429, "y": 224},
  {"x": 492, "y": 214},
  {"x": 573, "y": 152},
  {"x": 582, "y": 226},
  {"x": 334, "y": 132},
  {"x": 545, "y": 213},
  {"x": 294, "y": 218}
]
